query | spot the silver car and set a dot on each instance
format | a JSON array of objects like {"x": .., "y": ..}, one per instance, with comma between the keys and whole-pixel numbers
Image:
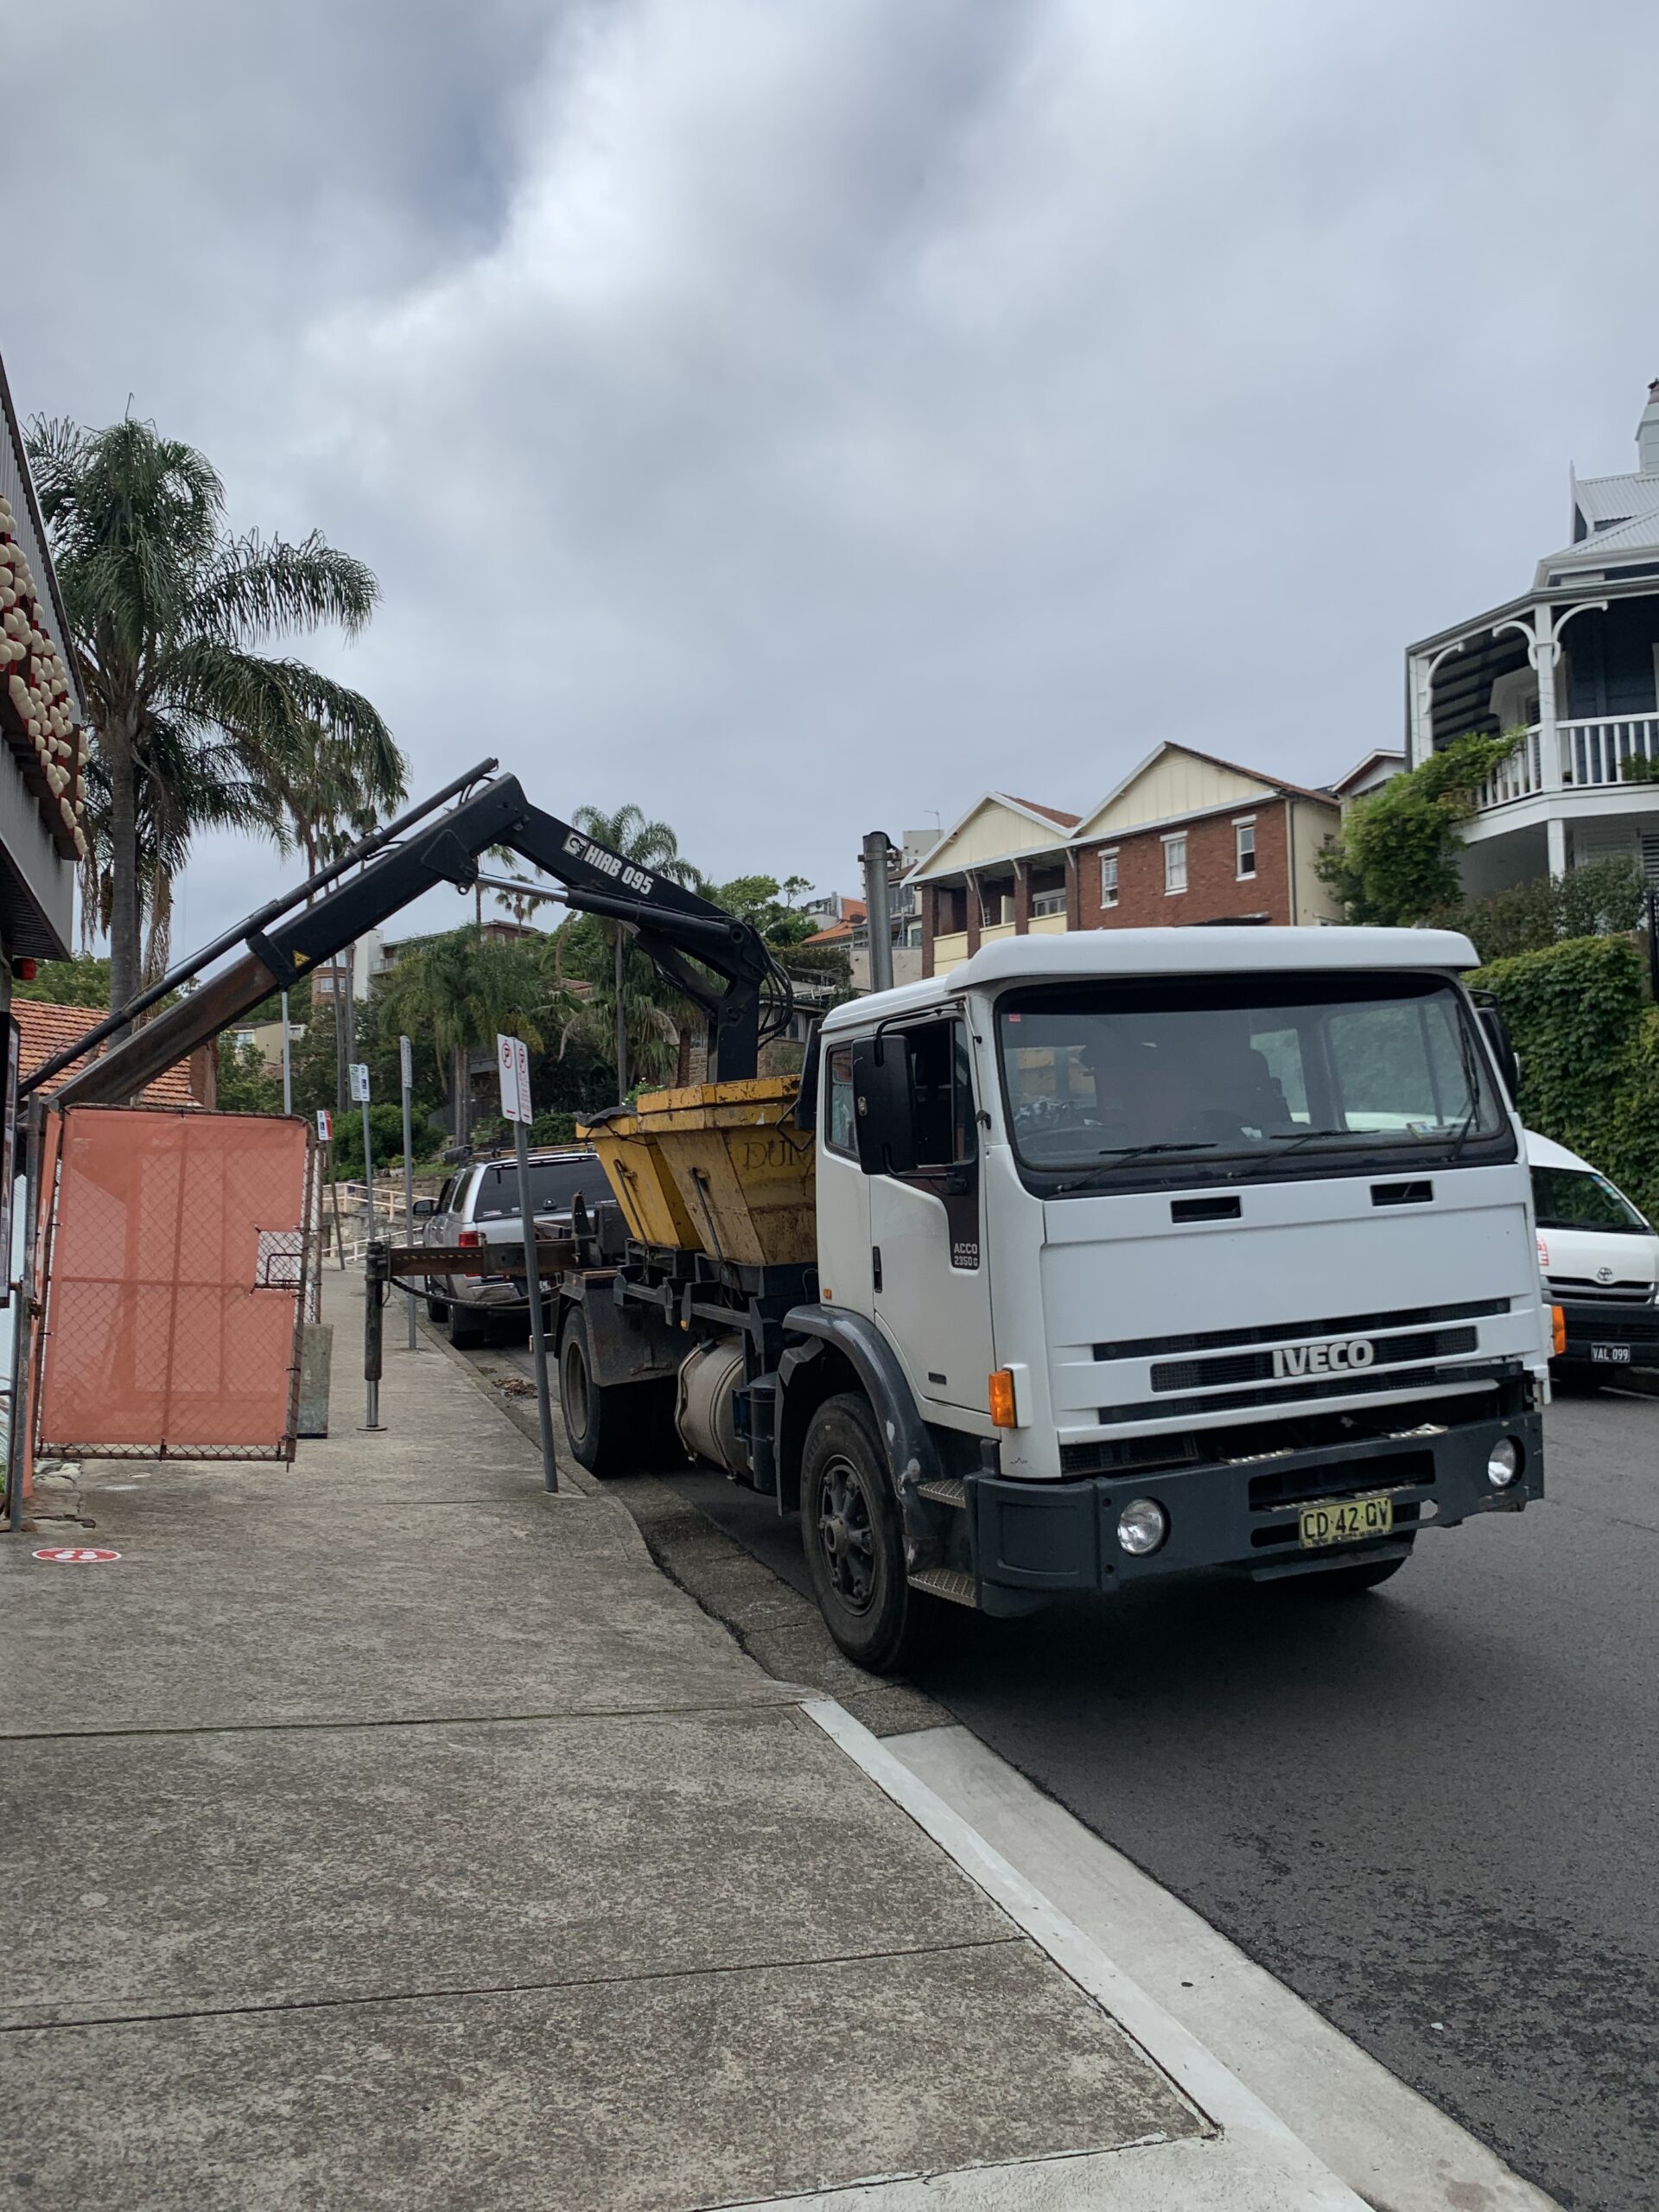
[{"x": 478, "y": 1204}]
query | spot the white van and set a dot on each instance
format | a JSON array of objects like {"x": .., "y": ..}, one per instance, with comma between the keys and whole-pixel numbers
[{"x": 1600, "y": 1262}]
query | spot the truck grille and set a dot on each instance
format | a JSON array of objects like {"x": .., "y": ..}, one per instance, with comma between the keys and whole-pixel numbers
[
  {"x": 1302, "y": 1392},
  {"x": 1257, "y": 1366},
  {"x": 1345, "y": 1324}
]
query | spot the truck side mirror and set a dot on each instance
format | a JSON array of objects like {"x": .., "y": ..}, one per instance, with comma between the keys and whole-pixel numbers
[
  {"x": 1497, "y": 1039},
  {"x": 883, "y": 1124}
]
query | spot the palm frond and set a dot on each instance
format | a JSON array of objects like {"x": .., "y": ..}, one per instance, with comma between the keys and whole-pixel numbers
[{"x": 256, "y": 587}]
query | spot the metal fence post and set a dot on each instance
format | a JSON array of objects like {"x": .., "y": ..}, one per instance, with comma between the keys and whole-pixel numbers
[
  {"x": 22, "y": 1320},
  {"x": 537, "y": 1317},
  {"x": 406, "y": 1069}
]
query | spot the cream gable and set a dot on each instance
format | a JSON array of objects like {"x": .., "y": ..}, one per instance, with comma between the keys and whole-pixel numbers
[
  {"x": 990, "y": 832},
  {"x": 1173, "y": 782}
]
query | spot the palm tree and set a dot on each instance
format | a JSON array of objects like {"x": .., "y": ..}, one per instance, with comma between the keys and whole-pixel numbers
[
  {"x": 462, "y": 990},
  {"x": 641, "y": 1001},
  {"x": 328, "y": 787},
  {"x": 168, "y": 610}
]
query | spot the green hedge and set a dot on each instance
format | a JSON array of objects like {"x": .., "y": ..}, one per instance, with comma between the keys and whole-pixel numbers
[{"x": 1588, "y": 1039}]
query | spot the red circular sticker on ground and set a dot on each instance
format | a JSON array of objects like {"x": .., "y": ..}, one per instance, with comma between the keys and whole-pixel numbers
[{"x": 76, "y": 1555}]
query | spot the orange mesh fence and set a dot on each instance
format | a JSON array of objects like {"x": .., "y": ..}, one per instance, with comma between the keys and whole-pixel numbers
[{"x": 175, "y": 1277}]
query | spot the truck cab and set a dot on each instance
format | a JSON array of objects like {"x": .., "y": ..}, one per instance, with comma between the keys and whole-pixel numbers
[{"x": 1141, "y": 1252}]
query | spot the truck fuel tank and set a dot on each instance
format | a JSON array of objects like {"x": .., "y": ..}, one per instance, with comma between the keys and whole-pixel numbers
[{"x": 705, "y": 1404}]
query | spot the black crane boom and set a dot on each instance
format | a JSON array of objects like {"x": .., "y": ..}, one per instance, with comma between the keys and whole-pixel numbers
[{"x": 718, "y": 960}]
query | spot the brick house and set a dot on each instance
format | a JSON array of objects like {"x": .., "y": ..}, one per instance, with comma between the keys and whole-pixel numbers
[{"x": 1185, "y": 837}]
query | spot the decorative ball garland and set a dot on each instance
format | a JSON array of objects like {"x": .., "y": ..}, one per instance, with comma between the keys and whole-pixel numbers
[{"x": 35, "y": 713}]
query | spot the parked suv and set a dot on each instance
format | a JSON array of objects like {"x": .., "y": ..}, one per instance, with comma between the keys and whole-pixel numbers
[
  {"x": 1600, "y": 1262},
  {"x": 478, "y": 1204}
]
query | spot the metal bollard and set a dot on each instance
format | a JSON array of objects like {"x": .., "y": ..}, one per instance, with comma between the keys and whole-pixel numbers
[{"x": 377, "y": 1272}]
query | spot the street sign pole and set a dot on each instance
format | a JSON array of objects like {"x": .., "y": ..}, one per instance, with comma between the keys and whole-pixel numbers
[
  {"x": 512, "y": 1058},
  {"x": 372, "y": 1290},
  {"x": 406, "y": 1069},
  {"x": 288, "y": 1062}
]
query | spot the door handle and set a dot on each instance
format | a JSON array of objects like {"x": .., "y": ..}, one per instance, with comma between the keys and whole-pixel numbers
[{"x": 875, "y": 1266}]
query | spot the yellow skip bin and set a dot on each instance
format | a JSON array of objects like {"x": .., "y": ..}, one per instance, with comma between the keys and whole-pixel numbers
[
  {"x": 638, "y": 1173},
  {"x": 744, "y": 1175}
]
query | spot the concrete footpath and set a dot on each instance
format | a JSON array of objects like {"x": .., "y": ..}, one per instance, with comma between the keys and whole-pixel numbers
[{"x": 382, "y": 1832}]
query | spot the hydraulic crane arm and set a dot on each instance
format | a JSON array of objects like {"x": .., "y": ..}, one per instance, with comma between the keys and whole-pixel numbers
[{"x": 717, "y": 960}]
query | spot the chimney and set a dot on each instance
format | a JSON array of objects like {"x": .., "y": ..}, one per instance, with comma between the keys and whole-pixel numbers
[{"x": 1647, "y": 434}]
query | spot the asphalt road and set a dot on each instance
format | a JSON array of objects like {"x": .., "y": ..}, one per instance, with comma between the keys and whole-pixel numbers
[{"x": 1432, "y": 1810}]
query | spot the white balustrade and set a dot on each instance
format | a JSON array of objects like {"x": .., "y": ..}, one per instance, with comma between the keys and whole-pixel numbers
[{"x": 1595, "y": 753}]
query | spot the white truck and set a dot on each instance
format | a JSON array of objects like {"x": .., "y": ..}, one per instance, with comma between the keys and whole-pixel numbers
[{"x": 1138, "y": 1252}]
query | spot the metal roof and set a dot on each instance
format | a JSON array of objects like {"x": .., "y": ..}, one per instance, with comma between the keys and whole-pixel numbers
[
  {"x": 1086, "y": 954},
  {"x": 1615, "y": 498}
]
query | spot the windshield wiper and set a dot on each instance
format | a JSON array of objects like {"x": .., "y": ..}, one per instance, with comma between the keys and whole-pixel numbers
[{"x": 1120, "y": 1155}]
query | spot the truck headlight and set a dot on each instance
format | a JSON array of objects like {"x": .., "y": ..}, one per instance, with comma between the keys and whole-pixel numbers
[
  {"x": 1504, "y": 1463},
  {"x": 1141, "y": 1526}
]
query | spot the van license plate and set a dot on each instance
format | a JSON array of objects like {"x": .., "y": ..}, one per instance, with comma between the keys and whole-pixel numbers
[
  {"x": 1612, "y": 1355},
  {"x": 1345, "y": 1521}
]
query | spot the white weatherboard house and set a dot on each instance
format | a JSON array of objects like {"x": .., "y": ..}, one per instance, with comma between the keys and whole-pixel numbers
[{"x": 1574, "y": 662}]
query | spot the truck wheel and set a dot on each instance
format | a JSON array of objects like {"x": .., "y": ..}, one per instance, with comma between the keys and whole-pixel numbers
[
  {"x": 853, "y": 1539},
  {"x": 466, "y": 1330},
  {"x": 611, "y": 1426},
  {"x": 436, "y": 1312}
]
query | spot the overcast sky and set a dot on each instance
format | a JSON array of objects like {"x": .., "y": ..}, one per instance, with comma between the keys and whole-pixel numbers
[{"x": 798, "y": 416}]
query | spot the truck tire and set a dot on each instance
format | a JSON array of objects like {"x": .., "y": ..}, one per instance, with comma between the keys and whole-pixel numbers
[
  {"x": 467, "y": 1329},
  {"x": 612, "y": 1427},
  {"x": 853, "y": 1539},
  {"x": 436, "y": 1312}
]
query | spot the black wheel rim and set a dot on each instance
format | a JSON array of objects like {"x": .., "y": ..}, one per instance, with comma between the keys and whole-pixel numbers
[{"x": 847, "y": 1535}]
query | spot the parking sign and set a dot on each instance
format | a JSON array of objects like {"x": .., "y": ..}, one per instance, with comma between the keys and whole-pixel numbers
[{"x": 512, "y": 1057}]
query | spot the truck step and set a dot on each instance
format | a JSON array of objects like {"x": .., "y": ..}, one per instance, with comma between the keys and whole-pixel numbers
[
  {"x": 945, "y": 1490},
  {"x": 945, "y": 1582}
]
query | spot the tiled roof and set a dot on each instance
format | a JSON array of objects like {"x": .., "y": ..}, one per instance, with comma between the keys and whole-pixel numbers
[
  {"x": 44, "y": 1030},
  {"x": 1055, "y": 813}
]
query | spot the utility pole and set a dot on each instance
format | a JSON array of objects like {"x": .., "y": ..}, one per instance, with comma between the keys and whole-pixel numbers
[
  {"x": 878, "y": 846},
  {"x": 621, "y": 1022},
  {"x": 288, "y": 1062}
]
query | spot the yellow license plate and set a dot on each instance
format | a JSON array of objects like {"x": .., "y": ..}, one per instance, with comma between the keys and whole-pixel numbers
[{"x": 1345, "y": 1521}]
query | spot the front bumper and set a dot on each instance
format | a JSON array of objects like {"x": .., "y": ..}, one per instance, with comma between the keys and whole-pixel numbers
[
  {"x": 1611, "y": 1328},
  {"x": 1031, "y": 1540}
]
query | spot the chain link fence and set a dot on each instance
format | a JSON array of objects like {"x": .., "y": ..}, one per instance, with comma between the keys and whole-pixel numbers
[{"x": 180, "y": 1258}]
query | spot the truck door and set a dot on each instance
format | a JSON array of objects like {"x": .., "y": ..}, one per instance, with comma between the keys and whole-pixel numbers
[
  {"x": 843, "y": 1199},
  {"x": 931, "y": 1285}
]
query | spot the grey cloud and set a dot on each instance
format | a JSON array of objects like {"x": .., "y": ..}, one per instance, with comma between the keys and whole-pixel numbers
[{"x": 798, "y": 417}]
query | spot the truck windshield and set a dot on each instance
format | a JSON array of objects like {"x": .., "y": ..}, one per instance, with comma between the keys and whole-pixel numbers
[
  {"x": 1178, "y": 1079},
  {"x": 1573, "y": 1197}
]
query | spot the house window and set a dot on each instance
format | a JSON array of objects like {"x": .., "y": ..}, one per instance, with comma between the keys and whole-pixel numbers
[
  {"x": 1048, "y": 902},
  {"x": 1174, "y": 865},
  {"x": 1108, "y": 878},
  {"x": 1244, "y": 846}
]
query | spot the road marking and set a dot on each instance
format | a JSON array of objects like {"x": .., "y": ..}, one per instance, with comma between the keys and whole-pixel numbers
[{"x": 76, "y": 1555}]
